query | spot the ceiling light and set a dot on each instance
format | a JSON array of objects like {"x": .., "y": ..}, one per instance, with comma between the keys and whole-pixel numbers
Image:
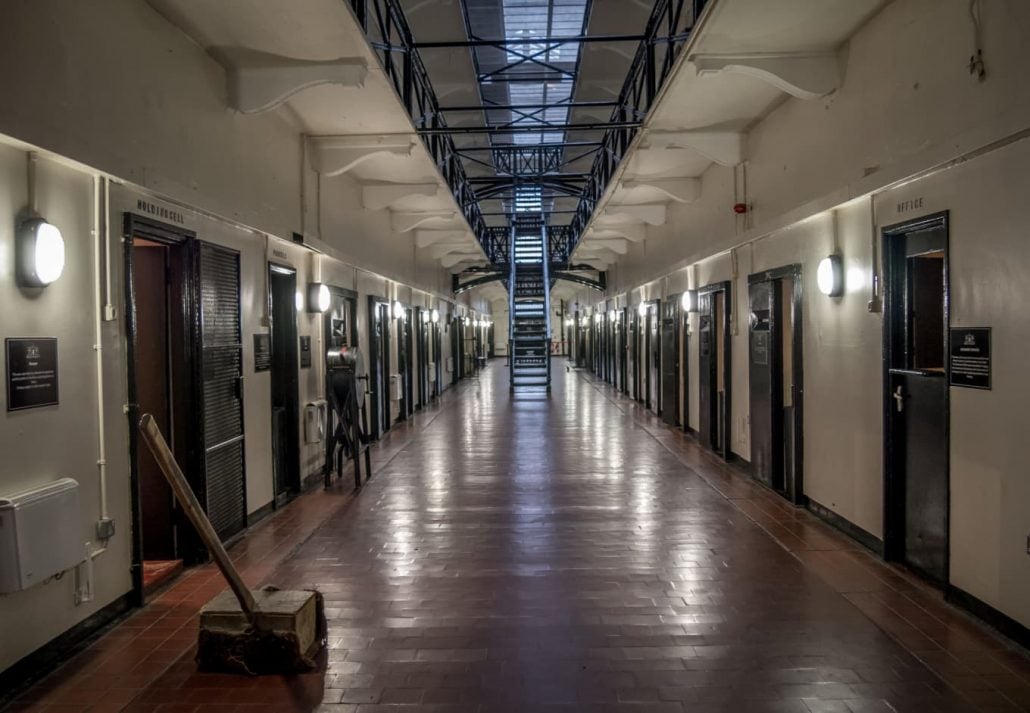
[
  {"x": 40, "y": 253},
  {"x": 830, "y": 276}
]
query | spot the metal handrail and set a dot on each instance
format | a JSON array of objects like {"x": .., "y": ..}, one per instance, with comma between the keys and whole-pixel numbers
[{"x": 669, "y": 26}]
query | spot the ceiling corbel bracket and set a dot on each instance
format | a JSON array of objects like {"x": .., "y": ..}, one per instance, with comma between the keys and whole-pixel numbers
[
  {"x": 403, "y": 222},
  {"x": 259, "y": 81},
  {"x": 380, "y": 196},
  {"x": 725, "y": 148},
  {"x": 336, "y": 155},
  {"x": 652, "y": 214},
  {"x": 805, "y": 75},
  {"x": 681, "y": 190}
]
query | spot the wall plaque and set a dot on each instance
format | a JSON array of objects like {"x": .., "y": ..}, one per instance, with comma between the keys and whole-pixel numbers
[
  {"x": 305, "y": 352},
  {"x": 31, "y": 372},
  {"x": 262, "y": 351},
  {"x": 971, "y": 357}
]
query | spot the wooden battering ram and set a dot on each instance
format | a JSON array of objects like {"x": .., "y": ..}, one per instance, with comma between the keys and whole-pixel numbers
[{"x": 243, "y": 631}]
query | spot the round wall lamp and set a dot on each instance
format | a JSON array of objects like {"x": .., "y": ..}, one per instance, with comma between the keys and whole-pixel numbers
[
  {"x": 40, "y": 253},
  {"x": 318, "y": 297},
  {"x": 398, "y": 310},
  {"x": 689, "y": 301},
  {"x": 467, "y": 321},
  {"x": 435, "y": 316},
  {"x": 642, "y": 309},
  {"x": 425, "y": 317},
  {"x": 612, "y": 316},
  {"x": 597, "y": 317},
  {"x": 830, "y": 276}
]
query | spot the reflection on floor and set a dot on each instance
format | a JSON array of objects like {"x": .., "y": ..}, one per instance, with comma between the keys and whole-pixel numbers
[
  {"x": 562, "y": 554},
  {"x": 157, "y": 573}
]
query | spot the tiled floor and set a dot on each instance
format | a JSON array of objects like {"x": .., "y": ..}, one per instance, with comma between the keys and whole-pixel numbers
[{"x": 563, "y": 554}]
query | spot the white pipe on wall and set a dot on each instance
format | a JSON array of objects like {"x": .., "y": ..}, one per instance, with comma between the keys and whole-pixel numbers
[
  {"x": 100, "y": 203},
  {"x": 108, "y": 306}
]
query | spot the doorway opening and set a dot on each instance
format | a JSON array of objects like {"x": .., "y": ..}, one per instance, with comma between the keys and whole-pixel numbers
[
  {"x": 670, "y": 360},
  {"x": 775, "y": 373},
  {"x": 916, "y": 399},
  {"x": 714, "y": 367},
  {"x": 378, "y": 364},
  {"x": 282, "y": 306},
  {"x": 184, "y": 356},
  {"x": 684, "y": 377}
]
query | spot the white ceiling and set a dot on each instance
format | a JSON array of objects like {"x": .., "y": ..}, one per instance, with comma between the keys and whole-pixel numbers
[
  {"x": 726, "y": 101},
  {"x": 326, "y": 30}
]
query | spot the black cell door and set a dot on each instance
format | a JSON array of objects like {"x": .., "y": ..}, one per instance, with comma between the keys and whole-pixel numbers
[
  {"x": 221, "y": 388},
  {"x": 766, "y": 396},
  {"x": 685, "y": 370},
  {"x": 378, "y": 363},
  {"x": 916, "y": 400},
  {"x": 285, "y": 382},
  {"x": 714, "y": 367},
  {"x": 707, "y": 425},
  {"x": 670, "y": 342}
]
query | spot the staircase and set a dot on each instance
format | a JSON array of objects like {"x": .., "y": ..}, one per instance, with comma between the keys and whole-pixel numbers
[{"x": 529, "y": 303}]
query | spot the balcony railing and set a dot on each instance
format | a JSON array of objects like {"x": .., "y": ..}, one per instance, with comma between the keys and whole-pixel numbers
[{"x": 667, "y": 32}]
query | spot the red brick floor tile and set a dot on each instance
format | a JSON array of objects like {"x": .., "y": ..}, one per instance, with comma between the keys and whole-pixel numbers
[{"x": 561, "y": 555}]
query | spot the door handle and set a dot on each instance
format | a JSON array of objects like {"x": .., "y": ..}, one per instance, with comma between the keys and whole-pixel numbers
[{"x": 899, "y": 399}]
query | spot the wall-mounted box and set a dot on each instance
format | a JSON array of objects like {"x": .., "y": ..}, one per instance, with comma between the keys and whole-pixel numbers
[{"x": 40, "y": 534}]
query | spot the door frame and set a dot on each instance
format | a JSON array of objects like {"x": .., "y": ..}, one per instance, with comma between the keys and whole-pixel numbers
[
  {"x": 726, "y": 287},
  {"x": 685, "y": 335},
  {"x": 893, "y": 482},
  {"x": 671, "y": 304},
  {"x": 380, "y": 393},
  {"x": 792, "y": 272},
  {"x": 134, "y": 226},
  {"x": 281, "y": 499}
]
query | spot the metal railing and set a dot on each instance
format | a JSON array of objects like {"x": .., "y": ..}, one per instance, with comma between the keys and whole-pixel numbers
[{"x": 667, "y": 32}]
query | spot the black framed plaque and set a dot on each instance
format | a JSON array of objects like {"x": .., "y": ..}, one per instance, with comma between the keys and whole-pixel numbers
[
  {"x": 305, "y": 352},
  {"x": 31, "y": 365},
  {"x": 262, "y": 351},
  {"x": 970, "y": 357}
]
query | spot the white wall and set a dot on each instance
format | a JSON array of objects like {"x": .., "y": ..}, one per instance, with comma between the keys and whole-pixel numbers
[
  {"x": 119, "y": 91},
  {"x": 907, "y": 106}
]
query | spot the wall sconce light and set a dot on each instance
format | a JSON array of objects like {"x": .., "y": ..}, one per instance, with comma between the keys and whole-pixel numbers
[
  {"x": 318, "y": 297},
  {"x": 597, "y": 317},
  {"x": 612, "y": 316},
  {"x": 689, "y": 301},
  {"x": 40, "y": 253},
  {"x": 642, "y": 309},
  {"x": 398, "y": 310},
  {"x": 830, "y": 276},
  {"x": 475, "y": 323},
  {"x": 467, "y": 321},
  {"x": 435, "y": 316}
]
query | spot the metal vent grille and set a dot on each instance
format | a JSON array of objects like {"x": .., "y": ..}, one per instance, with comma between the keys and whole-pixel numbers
[{"x": 221, "y": 369}]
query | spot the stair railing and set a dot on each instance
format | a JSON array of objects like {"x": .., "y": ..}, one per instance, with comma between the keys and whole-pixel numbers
[
  {"x": 511, "y": 308},
  {"x": 546, "y": 263}
]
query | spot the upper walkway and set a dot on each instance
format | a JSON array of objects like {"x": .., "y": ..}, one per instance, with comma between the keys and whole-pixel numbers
[{"x": 564, "y": 553}]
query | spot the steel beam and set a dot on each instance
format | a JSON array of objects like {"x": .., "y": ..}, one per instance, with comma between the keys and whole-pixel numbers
[
  {"x": 529, "y": 128},
  {"x": 502, "y": 42}
]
